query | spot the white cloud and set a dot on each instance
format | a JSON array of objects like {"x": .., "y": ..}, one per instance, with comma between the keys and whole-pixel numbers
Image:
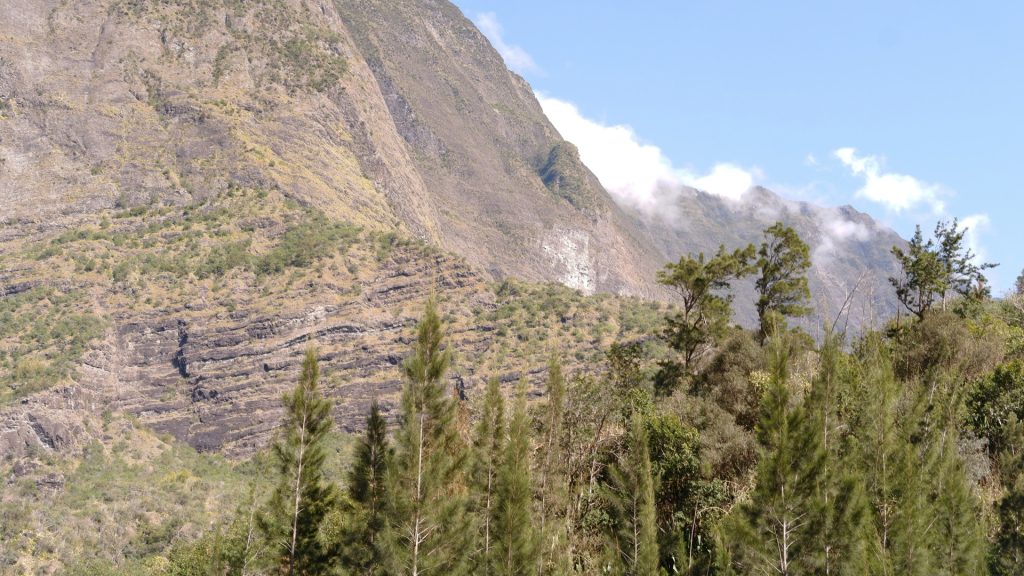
[
  {"x": 897, "y": 192},
  {"x": 725, "y": 180},
  {"x": 838, "y": 230},
  {"x": 847, "y": 230},
  {"x": 901, "y": 193},
  {"x": 636, "y": 173},
  {"x": 515, "y": 57},
  {"x": 976, "y": 224}
]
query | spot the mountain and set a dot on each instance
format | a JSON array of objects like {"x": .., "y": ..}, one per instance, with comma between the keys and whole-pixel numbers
[{"x": 195, "y": 190}]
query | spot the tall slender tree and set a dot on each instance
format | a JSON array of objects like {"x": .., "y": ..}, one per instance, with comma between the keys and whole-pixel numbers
[
  {"x": 882, "y": 449},
  {"x": 427, "y": 528},
  {"x": 302, "y": 497},
  {"x": 367, "y": 494},
  {"x": 488, "y": 447},
  {"x": 957, "y": 539},
  {"x": 515, "y": 535},
  {"x": 554, "y": 556},
  {"x": 845, "y": 534},
  {"x": 629, "y": 498},
  {"x": 774, "y": 532}
]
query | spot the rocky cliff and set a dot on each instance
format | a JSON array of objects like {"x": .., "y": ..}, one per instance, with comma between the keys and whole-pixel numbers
[{"x": 193, "y": 191}]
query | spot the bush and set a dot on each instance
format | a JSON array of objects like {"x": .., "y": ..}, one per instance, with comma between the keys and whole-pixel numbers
[
  {"x": 993, "y": 401},
  {"x": 303, "y": 244}
]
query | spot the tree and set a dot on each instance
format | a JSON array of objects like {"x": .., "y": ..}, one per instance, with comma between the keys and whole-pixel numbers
[
  {"x": 1018, "y": 285},
  {"x": 844, "y": 533},
  {"x": 963, "y": 276},
  {"x": 552, "y": 500},
  {"x": 704, "y": 311},
  {"x": 1007, "y": 554},
  {"x": 933, "y": 268},
  {"x": 886, "y": 420},
  {"x": 782, "y": 287},
  {"x": 923, "y": 276},
  {"x": 629, "y": 498},
  {"x": 427, "y": 528},
  {"x": 302, "y": 498},
  {"x": 367, "y": 494},
  {"x": 958, "y": 541},
  {"x": 487, "y": 451},
  {"x": 515, "y": 536},
  {"x": 775, "y": 531}
]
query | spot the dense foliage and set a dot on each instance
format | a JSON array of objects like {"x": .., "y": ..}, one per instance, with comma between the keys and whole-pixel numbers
[{"x": 899, "y": 451}]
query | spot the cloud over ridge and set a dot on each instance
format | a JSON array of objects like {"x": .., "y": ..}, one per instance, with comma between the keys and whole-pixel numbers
[
  {"x": 896, "y": 192},
  {"x": 636, "y": 173}
]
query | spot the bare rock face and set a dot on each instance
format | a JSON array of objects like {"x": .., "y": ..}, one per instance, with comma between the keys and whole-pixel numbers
[
  {"x": 388, "y": 114},
  {"x": 395, "y": 116}
]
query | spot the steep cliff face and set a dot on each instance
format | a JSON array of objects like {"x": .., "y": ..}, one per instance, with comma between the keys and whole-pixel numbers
[
  {"x": 192, "y": 191},
  {"x": 395, "y": 115}
]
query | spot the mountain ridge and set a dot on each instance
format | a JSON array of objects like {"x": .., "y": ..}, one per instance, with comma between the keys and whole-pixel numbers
[{"x": 167, "y": 164}]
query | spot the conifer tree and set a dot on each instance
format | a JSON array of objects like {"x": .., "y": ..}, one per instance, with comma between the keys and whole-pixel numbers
[
  {"x": 302, "y": 497},
  {"x": 554, "y": 557},
  {"x": 367, "y": 494},
  {"x": 782, "y": 287},
  {"x": 892, "y": 469},
  {"x": 957, "y": 540},
  {"x": 629, "y": 497},
  {"x": 427, "y": 528},
  {"x": 845, "y": 533},
  {"x": 704, "y": 310},
  {"x": 1007, "y": 555},
  {"x": 515, "y": 546},
  {"x": 774, "y": 533},
  {"x": 488, "y": 447}
]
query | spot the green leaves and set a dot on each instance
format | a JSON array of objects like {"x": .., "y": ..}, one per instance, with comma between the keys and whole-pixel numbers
[
  {"x": 302, "y": 498},
  {"x": 705, "y": 311},
  {"x": 782, "y": 287},
  {"x": 428, "y": 527},
  {"x": 932, "y": 269}
]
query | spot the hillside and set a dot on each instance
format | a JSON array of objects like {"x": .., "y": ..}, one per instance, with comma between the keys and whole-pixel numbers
[
  {"x": 195, "y": 189},
  {"x": 196, "y": 193}
]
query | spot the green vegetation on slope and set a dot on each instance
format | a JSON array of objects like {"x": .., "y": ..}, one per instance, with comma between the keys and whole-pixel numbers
[{"x": 893, "y": 452}]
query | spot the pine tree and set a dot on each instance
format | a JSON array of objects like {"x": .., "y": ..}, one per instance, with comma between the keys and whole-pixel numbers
[
  {"x": 555, "y": 556},
  {"x": 427, "y": 528},
  {"x": 782, "y": 287},
  {"x": 1007, "y": 555},
  {"x": 367, "y": 495},
  {"x": 629, "y": 498},
  {"x": 932, "y": 268},
  {"x": 302, "y": 498},
  {"x": 892, "y": 469},
  {"x": 845, "y": 533},
  {"x": 515, "y": 545},
  {"x": 488, "y": 447},
  {"x": 958, "y": 542},
  {"x": 775, "y": 532}
]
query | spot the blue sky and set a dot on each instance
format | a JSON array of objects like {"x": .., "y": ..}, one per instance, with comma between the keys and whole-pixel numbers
[{"x": 910, "y": 111}]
